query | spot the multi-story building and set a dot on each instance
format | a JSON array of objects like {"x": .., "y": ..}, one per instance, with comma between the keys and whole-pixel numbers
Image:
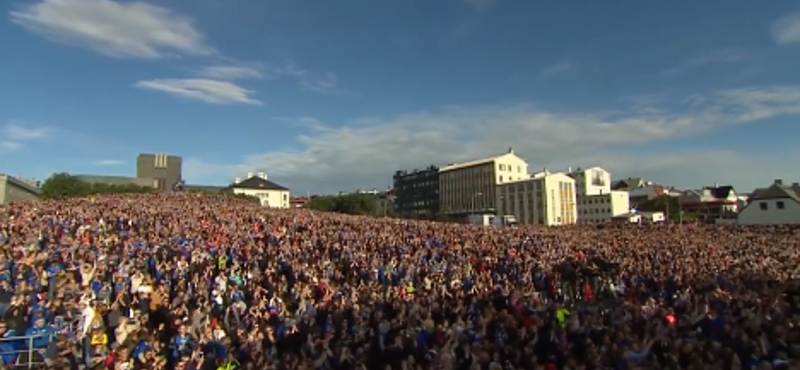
[
  {"x": 544, "y": 198},
  {"x": 13, "y": 189},
  {"x": 165, "y": 169},
  {"x": 471, "y": 187},
  {"x": 596, "y": 202},
  {"x": 416, "y": 193}
]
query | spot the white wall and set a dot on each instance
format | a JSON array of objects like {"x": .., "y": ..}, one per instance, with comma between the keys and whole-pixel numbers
[
  {"x": 603, "y": 207},
  {"x": 269, "y": 198},
  {"x": 585, "y": 181},
  {"x": 753, "y": 214}
]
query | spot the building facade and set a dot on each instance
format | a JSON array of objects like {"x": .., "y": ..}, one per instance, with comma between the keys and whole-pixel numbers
[
  {"x": 543, "y": 199},
  {"x": 13, "y": 189},
  {"x": 268, "y": 193},
  {"x": 471, "y": 187},
  {"x": 602, "y": 208},
  {"x": 165, "y": 169},
  {"x": 416, "y": 193},
  {"x": 710, "y": 203},
  {"x": 591, "y": 181},
  {"x": 596, "y": 202},
  {"x": 778, "y": 204}
]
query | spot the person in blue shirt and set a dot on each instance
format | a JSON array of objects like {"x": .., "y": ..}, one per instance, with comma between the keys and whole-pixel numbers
[
  {"x": 180, "y": 344},
  {"x": 43, "y": 334},
  {"x": 9, "y": 346}
]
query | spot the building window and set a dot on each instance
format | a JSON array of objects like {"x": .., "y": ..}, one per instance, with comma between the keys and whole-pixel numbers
[
  {"x": 502, "y": 167},
  {"x": 501, "y": 178},
  {"x": 763, "y": 206},
  {"x": 780, "y": 204}
]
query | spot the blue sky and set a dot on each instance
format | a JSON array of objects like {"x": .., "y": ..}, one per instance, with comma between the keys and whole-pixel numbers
[{"x": 336, "y": 95}]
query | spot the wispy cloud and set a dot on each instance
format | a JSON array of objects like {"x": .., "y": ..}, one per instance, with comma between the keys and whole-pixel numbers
[
  {"x": 555, "y": 70},
  {"x": 786, "y": 30},
  {"x": 209, "y": 91},
  {"x": 109, "y": 162},
  {"x": 15, "y": 135},
  {"x": 714, "y": 57},
  {"x": 228, "y": 73},
  {"x": 119, "y": 29},
  {"x": 331, "y": 156},
  {"x": 326, "y": 84}
]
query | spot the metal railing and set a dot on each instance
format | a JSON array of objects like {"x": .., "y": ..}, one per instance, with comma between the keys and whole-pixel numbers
[
  {"x": 23, "y": 351},
  {"x": 33, "y": 351}
]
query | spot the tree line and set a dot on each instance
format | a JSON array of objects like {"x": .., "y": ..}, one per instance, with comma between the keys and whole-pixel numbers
[
  {"x": 352, "y": 204},
  {"x": 64, "y": 185}
]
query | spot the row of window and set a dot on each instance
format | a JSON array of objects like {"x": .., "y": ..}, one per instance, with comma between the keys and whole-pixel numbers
[
  {"x": 778, "y": 205},
  {"x": 510, "y": 168},
  {"x": 594, "y": 211}
]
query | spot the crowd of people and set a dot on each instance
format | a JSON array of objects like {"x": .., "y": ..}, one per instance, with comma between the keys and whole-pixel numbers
[{"x": 204, "y": 282}]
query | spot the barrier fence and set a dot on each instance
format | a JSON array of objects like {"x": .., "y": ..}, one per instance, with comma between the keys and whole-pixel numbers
[{"x": 34, "y": 351}]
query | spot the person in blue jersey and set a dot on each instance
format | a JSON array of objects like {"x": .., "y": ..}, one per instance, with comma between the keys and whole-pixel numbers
[{"x": 181, "y": 344}]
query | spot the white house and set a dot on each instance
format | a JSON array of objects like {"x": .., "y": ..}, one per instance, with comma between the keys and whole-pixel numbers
[
  {"x": 778, "y": 204},
  {"x": 596, "y": 202},
  {"x": 269, "y": 193}
]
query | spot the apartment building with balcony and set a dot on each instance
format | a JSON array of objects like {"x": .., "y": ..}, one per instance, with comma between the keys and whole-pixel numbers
[
  {"x": 711, "y": 203},
  {"x": 544, "y": 198},
  {"x": 471, "y": 187},
  {"x": 596, "y": 202}
]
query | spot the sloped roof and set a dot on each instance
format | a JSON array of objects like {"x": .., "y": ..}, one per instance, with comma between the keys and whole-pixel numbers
[
  {"x": 776, "y": 191},
  {"x": 454, "y": 166},
  {"x": 256, "y": 183},
  {"x": 721, "y": 192}
]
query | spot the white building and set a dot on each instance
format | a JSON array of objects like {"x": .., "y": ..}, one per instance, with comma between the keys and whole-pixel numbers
[
  {"x": 469, "y": 187},
  {"x": 544, "y": 199},
  {"x": 596, "y": 202},
  {"x": 778, "y": 204},
  {"x": 269, "y": 193}
]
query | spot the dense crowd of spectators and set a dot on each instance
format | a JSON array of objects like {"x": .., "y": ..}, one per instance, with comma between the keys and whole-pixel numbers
[{"x": 194, "y": 282}]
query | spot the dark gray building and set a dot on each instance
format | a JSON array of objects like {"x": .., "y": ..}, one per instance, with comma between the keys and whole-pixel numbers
[
  {"x": 165, "y": 169},
  {"x": 417, "y": 192}
]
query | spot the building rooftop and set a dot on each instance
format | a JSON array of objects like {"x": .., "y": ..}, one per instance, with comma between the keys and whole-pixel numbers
[
  {"x": 255, "y": 183},
  {"x": 476, "y": 162}
]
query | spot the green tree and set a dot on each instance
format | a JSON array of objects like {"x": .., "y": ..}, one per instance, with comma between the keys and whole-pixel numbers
[
  {"x": 353, "y": 204},
  {"x": 669, "y": 205},
  {"x": 63, "y": 185}
]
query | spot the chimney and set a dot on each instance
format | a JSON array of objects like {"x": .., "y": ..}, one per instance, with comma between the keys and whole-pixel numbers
[
  {"x": 249, "y": 175},
  {"x": 716, "y": 185},
  {"x": 510, "y": 150},
  {"x": 262, "y": 175},
  {"x": 237, "y": 180},
  {"x": 778, "y": 182},
  {"x": 569, "y": 169}
]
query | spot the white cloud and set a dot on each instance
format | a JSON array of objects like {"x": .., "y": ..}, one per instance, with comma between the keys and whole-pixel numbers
[
  {"x": 326, "y": 84},
  {"x": 365, "y": 153},
  {"x": 109, "y": 162},
  {"x": 556, "y": 70},
  {"x": 713, "y": 57},
  {"x": 18, "y": 132},
  {"x": 120, "y": 29},
  {"x": 9, "y": 146},
  {"x": 14, "y": 135},
  {"x": 230, "y": 72},
  {"x": 786, "y": 30},
  {"x": 209, "y": 91}
]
